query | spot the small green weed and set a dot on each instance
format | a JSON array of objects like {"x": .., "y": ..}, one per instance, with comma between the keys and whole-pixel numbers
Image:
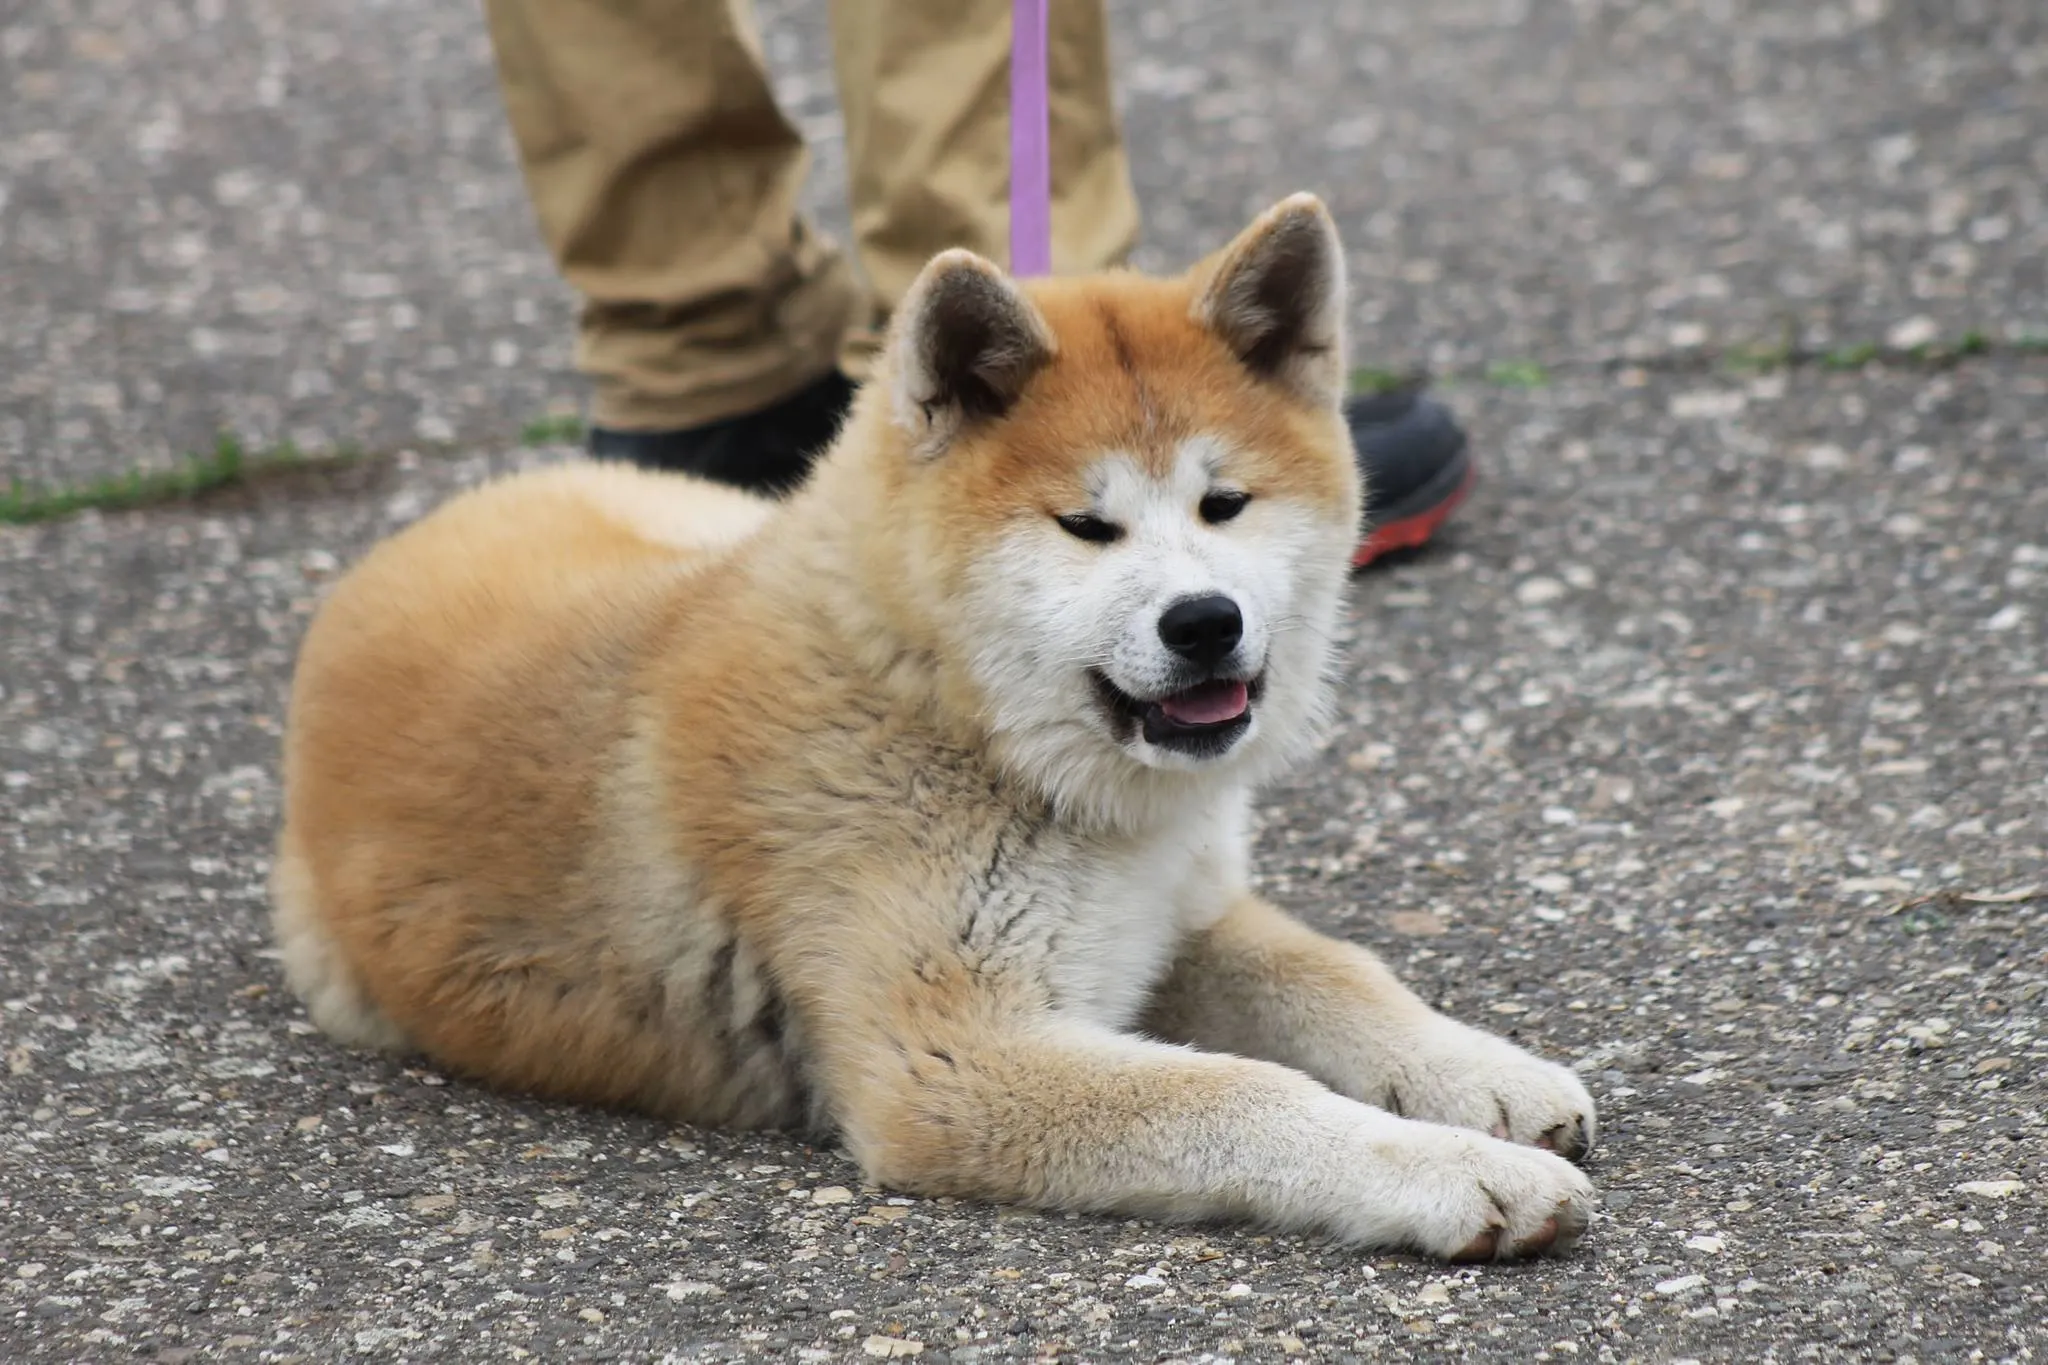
[
  {"x": 1922, "y": 919},
  {"x": 1851, "y": 357},
  {"x": 23, "y": 503},
  {"x": 1517, "y": 374},
  {"x": 1947, "y": 352},
  {"x": 557, "y": 428},
  {"x": 1760, "y": 359},
  {"x": 1368, "y": 379}
]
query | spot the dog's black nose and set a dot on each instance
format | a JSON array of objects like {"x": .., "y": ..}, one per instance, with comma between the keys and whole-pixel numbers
[{"x": 1202, "y": 630}]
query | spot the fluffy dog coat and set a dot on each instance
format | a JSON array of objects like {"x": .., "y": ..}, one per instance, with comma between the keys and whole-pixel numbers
[{"x": 915, "y": 809}]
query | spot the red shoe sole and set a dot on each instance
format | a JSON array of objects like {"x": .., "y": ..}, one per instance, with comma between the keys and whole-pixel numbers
[{"x": 1411, "y": 531}]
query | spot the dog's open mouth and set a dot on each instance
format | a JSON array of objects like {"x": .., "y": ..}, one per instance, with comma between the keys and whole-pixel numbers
[{"x": 1202, "y": 720}]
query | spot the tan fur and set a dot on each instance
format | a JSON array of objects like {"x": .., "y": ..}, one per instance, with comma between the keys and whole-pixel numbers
[{"x": 621, "y": 788}]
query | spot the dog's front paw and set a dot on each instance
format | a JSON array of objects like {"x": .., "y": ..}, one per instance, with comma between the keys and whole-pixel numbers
[
  {"x": 1476, "y": 1198},
  {"x": 1451, "y": 1073}
]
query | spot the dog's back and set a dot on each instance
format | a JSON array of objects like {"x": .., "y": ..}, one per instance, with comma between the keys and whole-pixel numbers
[{"x": 462, "y": 817}]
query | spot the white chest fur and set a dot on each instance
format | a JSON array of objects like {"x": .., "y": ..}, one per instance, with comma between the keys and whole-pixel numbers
[{"x": 1126, "y": 905}]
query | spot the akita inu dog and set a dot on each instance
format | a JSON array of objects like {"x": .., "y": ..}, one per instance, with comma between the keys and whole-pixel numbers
[{"x": 915, "y": 809}]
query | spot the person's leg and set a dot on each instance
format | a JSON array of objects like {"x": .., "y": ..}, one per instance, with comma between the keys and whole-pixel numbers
[
  {"x": 924, "y": 85},
  {"x": 665, "y": 181},
  {"x": 925, "y": 89},
  {"x": 712, "y": 344}
]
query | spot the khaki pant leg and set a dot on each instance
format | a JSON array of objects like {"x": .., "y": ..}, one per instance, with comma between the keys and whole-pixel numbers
[
  {"x": 665, "y": 180},
  {"x": 925, "y": 86}
]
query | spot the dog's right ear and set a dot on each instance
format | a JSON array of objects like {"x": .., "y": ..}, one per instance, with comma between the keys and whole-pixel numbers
[
  {"x": 1276, "y": 298},
  {"x": 965, "y": 343}
]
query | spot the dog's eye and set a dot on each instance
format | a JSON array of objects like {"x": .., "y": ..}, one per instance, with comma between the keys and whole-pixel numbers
[
  {"x": 1084, "y": 527},
  {"x": 1222, "y": 505}
]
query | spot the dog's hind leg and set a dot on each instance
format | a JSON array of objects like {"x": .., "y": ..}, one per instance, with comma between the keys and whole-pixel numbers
[{"x": 329, "y": 986}]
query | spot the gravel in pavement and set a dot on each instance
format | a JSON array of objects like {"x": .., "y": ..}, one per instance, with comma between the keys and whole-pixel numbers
[{"x": 1707, "y": 754}]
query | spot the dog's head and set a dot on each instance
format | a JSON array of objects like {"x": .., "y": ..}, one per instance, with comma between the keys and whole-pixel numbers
[{"x": 1127, "y": 504}]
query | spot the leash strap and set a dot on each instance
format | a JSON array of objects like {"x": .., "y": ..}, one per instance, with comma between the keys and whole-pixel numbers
[{"x": 1030, "y": 142}]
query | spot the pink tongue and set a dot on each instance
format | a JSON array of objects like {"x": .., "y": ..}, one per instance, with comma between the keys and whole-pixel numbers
[{"x": 1211, "y": 703}]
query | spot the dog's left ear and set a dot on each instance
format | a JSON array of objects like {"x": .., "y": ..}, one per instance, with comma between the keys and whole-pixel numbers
[
  {"x": 1276, "y": 298},
  {"x": 965, "y": 343}
]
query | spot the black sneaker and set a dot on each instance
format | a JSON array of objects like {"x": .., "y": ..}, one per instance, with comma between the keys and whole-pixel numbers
[
  {"x": 768, "y": 451},
  {"x": 1412, "y": 455}
]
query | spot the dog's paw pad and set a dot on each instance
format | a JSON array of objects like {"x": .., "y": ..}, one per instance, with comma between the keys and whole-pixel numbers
[
  {"x": 1484, "y": 1247},
  {"x": 1539, "y": 1241}
]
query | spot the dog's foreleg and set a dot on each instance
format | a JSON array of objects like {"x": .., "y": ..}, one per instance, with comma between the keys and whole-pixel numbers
[
  {"x": 1055, "y": 1115},
  {"x": 1262, "y": 984}
]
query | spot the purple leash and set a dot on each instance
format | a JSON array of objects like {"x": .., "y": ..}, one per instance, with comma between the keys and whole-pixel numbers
[{"x": 1030, "y": 143}]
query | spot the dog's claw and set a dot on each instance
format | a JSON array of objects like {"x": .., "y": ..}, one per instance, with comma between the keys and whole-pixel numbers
[{"x": 1568, "y": 1140}]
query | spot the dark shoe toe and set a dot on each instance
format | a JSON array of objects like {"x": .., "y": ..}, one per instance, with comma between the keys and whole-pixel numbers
[{"x": 1412, "y": 457}]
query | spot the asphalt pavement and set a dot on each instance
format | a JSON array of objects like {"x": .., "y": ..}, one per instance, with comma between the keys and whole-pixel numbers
[{"x": 1706, "y": 752}]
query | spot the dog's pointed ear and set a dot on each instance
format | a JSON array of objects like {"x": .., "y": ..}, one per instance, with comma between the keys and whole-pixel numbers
[
  {"x": 1276, "y": 298},
  {"x": 965, "y": 343}
]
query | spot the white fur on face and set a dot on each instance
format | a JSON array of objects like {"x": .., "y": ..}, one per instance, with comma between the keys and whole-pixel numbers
[
  {"x": 1043, "y": 609},
  {"x": 1167, "y": 555}
]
